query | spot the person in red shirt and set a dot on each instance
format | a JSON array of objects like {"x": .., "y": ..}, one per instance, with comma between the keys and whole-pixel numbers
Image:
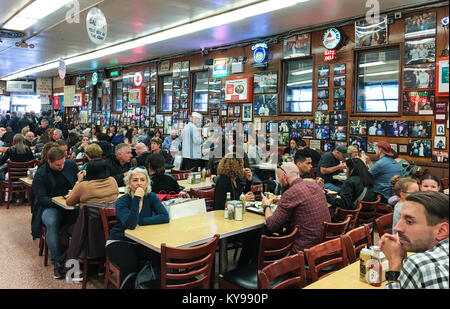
[{"x": 302, "y": 203}]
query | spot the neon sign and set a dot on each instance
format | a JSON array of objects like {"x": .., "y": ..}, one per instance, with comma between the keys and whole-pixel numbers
[
  {"x": 220, "y": 67},
  {"x": 259, "y": 52}
]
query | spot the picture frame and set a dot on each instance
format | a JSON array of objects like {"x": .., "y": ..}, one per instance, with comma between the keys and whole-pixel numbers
[
  {"x": 339, "y": 81},
  {"x": 358, "y": 127},
  {"x": 323, "y": 70},
  {"x": 307, "y": 123},
  {"x": 184, "y": 69},
  {"x": 420, "y": 51},
  {"x": 265, "y": 82},
  {"x": 439, "y": 156},
  {"x": 418, "y": 102},
  {"x": 339, "y": 93},
  {"x": 440, "y": 142},
  {"x": 322, "y": 82},
  {"x": 397, "y": 129},
  {"x": 176, "y": 70},
  {"x": 283, "y": 138},
  {"x": 265, "y": 104},
  {"x": 420, "y": 25},
  {"x": 376, "y": 127},
  {"x": 322, "y": 132},
  {"x": 371, "y": 147},
  {"x": 403, "y": 148},
  {"x": 307, "y": 133},
  {"x": 440, "y": 129},
  {"x": 327, "y": 146},
  {"x": 420, "y": 148},
  {"x": 247, "y": 111},
  {"x": 283, "y": 126},
  {"x": 322, "y": 105},
  {"x": 419, "y": 76},
  {"x": 419, "y": 129},
  {"x": 297, "y": 46},
  {"x": 239, "y": 90},
  {"x": 394, "y": 147},
  {"x": 295, "y": 134},
  {"x": 315, "y": 144},
  {"x": 339, "y": 69},
  {"x": 322, "y": 118},
  {"x": 237, "y": 111},
  {"x": 367, "y": 34},
  {"x": 159, "y": 121},
  {"x": 323, "y": 94},
  {"x": 339, "y": 104},
  {"x": 360, "y": 142},
  {"x": 338, "y": 118},
  {"x": 442, "y": 84},
  {"x": 338, "y": 133}
]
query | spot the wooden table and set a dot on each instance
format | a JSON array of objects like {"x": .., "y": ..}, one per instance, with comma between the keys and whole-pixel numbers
[
  {"x": 26, "y": 180},
  {"x": 186, "y": 185},
  {"x": 195, "y": 230},
  {"x": 345, "y": 278},
  {"x": 340, "y": 177},
  {"x": 61, "y": 201}
]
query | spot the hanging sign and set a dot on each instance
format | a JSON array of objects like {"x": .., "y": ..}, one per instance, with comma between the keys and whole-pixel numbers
[
  {"x": 94, "y": 78},
  {"x": 69, "y": 95},
  {"x": 43, "y": 86},
  {"x": 96, "y": 26},
  {"x": 138, "y": 79},
  {"x": 331, "y": 38},
  {"x": 62, "y": 68}
]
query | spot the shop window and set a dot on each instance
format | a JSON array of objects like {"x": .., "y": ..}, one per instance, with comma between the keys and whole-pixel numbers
[
  {"x": 377, "y": 89},
  {"x": 298, "y": 86},
  {"x": 165, "y": 103},
  {"x": 200, "y": 92}
]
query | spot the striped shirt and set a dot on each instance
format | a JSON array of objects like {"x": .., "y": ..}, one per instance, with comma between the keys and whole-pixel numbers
[
  {"x": 425, "y": 270},
  {"x": 303, "y": 204}
]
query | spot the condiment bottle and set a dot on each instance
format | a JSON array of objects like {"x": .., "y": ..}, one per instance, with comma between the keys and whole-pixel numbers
[
  {"x": 364, "y": 257},
  {"x": 226, "y": 205},
  {"x": 203, "y": 175},
  {"x": 238, "y": 212},
  {"x": 242, "y": 198}
]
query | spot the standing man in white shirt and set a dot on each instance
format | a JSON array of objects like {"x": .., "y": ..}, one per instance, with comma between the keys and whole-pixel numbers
[{"x": 192, "y": 143}]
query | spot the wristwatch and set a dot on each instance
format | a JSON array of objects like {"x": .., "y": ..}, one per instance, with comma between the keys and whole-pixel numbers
[
  {"x": 392, "y": 275},
  {"x": 264, "y": 208}
]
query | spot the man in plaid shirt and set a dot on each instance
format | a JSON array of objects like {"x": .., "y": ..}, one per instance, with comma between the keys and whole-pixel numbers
[{"x": 423, "y": 228}]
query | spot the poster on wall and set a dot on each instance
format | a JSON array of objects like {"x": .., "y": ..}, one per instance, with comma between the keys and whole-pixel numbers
[
  {"x": 416, "y": 77},
  {"x": 420, "y": 25},
  {"x": 442, "y": 77},
  {"x": 420, "y": 51},
  {"x": 265, "y": 82},
  {"x": 418, "y": 102},
  {"x": 239, "y": 89},
  {"x": 297, "y": 46},
  {"x": 371, "y": 34}
]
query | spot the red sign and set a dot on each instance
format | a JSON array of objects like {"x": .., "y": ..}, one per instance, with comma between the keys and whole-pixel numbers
[
  {"x": 329, "y": 55},
  {"x": 138, "y": 78}
]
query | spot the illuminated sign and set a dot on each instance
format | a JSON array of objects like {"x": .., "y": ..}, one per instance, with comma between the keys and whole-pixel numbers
[
  {"x": 138, "y": 78},
  {"x": 94, "y": 78},
  {"x": 114, "y": 73},
  {"x": 220, "y": 67},
  {"x": 259, "y": 52},
  {"x": 329, "y": 55},
  {"x": 331, "y": 38},
  {"x": 444, "y": 21}
]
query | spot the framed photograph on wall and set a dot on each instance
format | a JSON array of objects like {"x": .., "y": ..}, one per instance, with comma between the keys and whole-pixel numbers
[
  {"x": 419, "y": 76},
  {"x": 371, "y": 34},
  {"x": 322, "y": 132},
  {"x": 308, "y": 133},
  {"x": 394, "y": 147},
  {"x": 339, "y": 81},
  {"x": 420, "y": 129},
  {"x": 323, "y": 70},
  {"x": 397, "y": 129},
  {"x": 239, "y": 89},
  {"x": 338, "y": 133},
  {"x": 420, "y": 148},
  {"x": 440, "y": 142},
  {"x": 247, "y": 111},
  {"x": 322, "y": 82},
  {"x": 440, "y": 129},
  {"x": 307, "y": 123},
  {"x": 339, "y": 93},
  {"x": 360, "y": 142},
  {"x": 358, "y": 127},
  {"x": 265, "y": 82},
  {"x": 420, "y": 51},
  {"x": 322, "y": 118},
  {"x": 322, "y": 94},
  {"x": 376, "y": 127},
  {"x": 237, "y": 111},
  {"x": 439, "y": 156},
  {"x": 338, "y": 118},
  {"x": 322, "y": 105},
  {"x": 403, "y": 148},
  {"x": 265, "y": 104},
  {"x": 339, "y": 69},
  {"x": 159, "y": 121},
  {"x": 327, "y": 146},
  {"x": 420, "y": 25},
  {"x": 339, "y": 104},
  {"x": 418, "y": 102},
  {"x": 297, "y": 46},
  {"x": 442, "y": 77},
  {"x": 371, "y": 147},
  {"x": 314, "y": 144}
]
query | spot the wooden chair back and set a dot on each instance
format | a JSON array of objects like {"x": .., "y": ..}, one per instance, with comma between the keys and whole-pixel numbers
[
  {"x": 290, "y": 268},
  {"x": 275, "y": 248},
  {"x": 174, "y": 171},
  {"x": 341, "y": 215},
  {"x": 384, "y": 224},
  {"x": 18, "y": 170},
  {"x": 355, "y": 240},
  {"x": 334, "y": 230},
  {"x": 444, "y": 183},
  {"x": 383, "y": 209},
  {"x": 206, "y": 193},
  {"x": 325, "y": 255},
  {"x": 108, "y": 216},
  {"x": 183, "y": 268},
  {"x": 181, "y": 176}
]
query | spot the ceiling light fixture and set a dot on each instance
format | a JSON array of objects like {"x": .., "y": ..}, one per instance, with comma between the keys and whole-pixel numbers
[{"x": 195, "y": 26}]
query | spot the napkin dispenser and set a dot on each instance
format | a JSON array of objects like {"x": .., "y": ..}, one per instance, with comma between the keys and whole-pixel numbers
[{"x": 194, "y": 177}]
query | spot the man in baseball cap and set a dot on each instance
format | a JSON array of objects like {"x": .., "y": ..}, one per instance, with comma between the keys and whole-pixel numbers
[{"x": 383, "y": 170}]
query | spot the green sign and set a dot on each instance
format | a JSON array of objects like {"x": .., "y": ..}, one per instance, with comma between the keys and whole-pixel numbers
[
  {"x": 114, "y": 73},
  {"x": 94, "y": 78},
  {"x": 445, "y": 78}
]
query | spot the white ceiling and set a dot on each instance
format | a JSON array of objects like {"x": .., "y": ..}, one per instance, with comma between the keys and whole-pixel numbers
[{"x": 55, "y": 38}]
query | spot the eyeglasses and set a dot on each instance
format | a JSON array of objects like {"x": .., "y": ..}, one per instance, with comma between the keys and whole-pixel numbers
[{"x": 282, "y": 169}]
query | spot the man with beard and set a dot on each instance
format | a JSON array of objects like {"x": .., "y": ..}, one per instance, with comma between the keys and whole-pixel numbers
[
  {"x": 423, "y": 228},
  {"x": 302, "y": 203}
]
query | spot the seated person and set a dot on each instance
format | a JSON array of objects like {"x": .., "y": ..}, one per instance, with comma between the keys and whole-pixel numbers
[
  {"x": 353, "y": 152},
  {"x": 330, "y": 164},
  {"x": 53, "y": 178},
  {"x": 120, "y": 163},
  {"x": 171, "y": 142},
  {"x": 430, "y": 182},
  {"x": 142, "y": 153},
  {"x": 315, "y": 156},
  {"x": 403, "y": 188},
  {"x": 303, "y": 161},
  {"x": 357, "y": 187},
  {"x": 99, "y": 187},
  {"x": 139, "y": 206},
  {"x": 302, "y": 203},
  {"x": 79, "y": 149},
  {"x": 18, "y": 152},
  {"x": 155, "y": 147},
  {"x": 30, "y": 140},
  {"x": 159, "y": 180},
  {"x": 105, "y": 145},
  {"x": 64, "y": 147},
  {"x": 292, "y": 149},
  {"x": 45, "y": 151},
  {"x": 230, "y": 173}
]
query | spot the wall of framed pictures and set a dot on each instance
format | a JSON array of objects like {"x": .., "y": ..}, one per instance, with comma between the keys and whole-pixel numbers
[{"x": 323, "y": 95}]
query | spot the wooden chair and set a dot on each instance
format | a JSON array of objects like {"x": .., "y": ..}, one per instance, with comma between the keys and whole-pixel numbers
[
  {"x": 341, "y": 214},
  {"x": 444, "y": 183},
  {"x": 43, "y": 248},
  {"x": 368, "y": 213},
  {"x": 184, "y": 268},
  {"x": 174, "y": 171},
  {"x": 181, "y": 176},
  {"x": 334, "y": 230},
  {"x": 291, "y": 269},
  {"x": 108, "y": 216},
  {"x": 325, "y": 258},
  {"x": 383, "y": 209},
  {"x": 384, "y": 224},
  {"x": 207, "y": 194},
  {"x": 16, "y": 170},
  {"x": 355, "y": 240},
  {"x": 270, "y": 250}
]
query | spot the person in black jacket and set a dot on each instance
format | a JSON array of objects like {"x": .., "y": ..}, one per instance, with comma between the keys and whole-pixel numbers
[
  {"x": 160, "y": 181},
  {"x": 315, "y": 156},
  {"x": 292, "y": 149},
  {"x": 54, "y": 178},
  {"x": 18, "y": 152},
  {"x": 120, "y": 163},
  {"x": 8, "y": 137},
  {"x": 357, "y": 187}
]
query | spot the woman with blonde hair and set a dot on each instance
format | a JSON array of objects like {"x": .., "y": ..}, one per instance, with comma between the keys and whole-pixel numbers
[
  {"x": 230, "y": 172},
  {"x": 139, "y": 206},
  {"x": 18, "y": 152}
]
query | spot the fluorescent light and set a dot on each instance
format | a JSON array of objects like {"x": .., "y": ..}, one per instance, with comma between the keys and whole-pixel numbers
[
  {"x": 33, "y": 13},
  {"x": 302, "y": 72},
  {"x": 209, "y": 22},
  {"x": 372, "y": 64},
  {"x": 299, "y": 83},
  {"x": 379, "y": 73}
]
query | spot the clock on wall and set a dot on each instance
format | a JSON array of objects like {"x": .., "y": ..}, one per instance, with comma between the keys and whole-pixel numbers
[{"x": 331, "y": 38}]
